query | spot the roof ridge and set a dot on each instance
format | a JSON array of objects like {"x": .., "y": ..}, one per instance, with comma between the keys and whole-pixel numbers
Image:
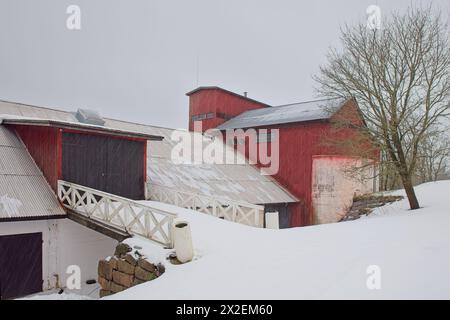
[
  {"x": 286, "y": 105},
  {"x": 35, "y": 106},
  {"x": 229, "y": 92},
  {"x": 304, "y": 102},
  {"x": 317, "y": 110},
  {"x": 73, "y": 112}
]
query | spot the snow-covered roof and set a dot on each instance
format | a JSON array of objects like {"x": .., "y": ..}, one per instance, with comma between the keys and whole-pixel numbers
[
  {"x": 297, "y": 112},
  {"x": 233, "y": 181},
  {"x": 34, "y": 121},
  {"x": 240, "y": 182},
  {"x": 24, "y": 192}
]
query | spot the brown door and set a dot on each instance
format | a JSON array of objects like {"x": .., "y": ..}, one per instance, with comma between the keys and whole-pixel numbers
[{"x": 20, "y": 265}]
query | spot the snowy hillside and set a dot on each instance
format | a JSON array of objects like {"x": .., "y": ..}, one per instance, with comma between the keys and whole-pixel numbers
[{"x": 233, "y": 261}]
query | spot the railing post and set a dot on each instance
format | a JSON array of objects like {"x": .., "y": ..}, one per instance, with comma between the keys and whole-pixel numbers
[
  {"x": 256, "y": 213},
  {"x": 214, "y": 211},
  {"x": 147, "y": 224},
  {"x": 170, "y": 232},
  {"x": 234, "y": 214},
  {"x": 59, "y": 190},
  {"x": 72, "y": 197},
  {"x": 106, "y": 209}
]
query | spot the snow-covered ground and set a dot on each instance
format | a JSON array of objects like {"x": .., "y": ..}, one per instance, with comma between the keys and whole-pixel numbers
[
  {"x": 411, "y": 248},
  {"x": 87, "y": 292}
]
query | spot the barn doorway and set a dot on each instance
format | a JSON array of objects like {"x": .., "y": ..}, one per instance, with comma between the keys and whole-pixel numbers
[
  {"x": 105, "y": 163},
  {"x": 20, "y": 265},
  {"x": 334, "y": 184}
]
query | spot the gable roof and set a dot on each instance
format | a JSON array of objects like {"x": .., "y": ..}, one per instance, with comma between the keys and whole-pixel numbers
[
  {"x": 24, "y": 192},
  {"x": 290, "y": 113},
  {"x": 227, "y": 91},
  {"x": 234, "y": 181},
  {"x": 57, "y": 120}
]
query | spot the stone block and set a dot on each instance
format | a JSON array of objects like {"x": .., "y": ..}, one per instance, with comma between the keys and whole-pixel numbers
[
  {"x": 113, "y": 262},
  {"x": 125, "y": 267},
  {"x": 105, "y": 269},
  {"x": 116, "y": 287},
  {"x": 130, "y": 259},
  {"x": 104, "y": 283},
  {"x": 123, "y": 279},
  {"x": 144, "y": 275},
  {"x": 146, "y": 265},
  {"x": 104, "y": 293},
  {"x": 137, "y": 281}
]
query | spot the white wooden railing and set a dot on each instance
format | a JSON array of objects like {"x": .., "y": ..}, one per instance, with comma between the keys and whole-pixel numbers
[
  {"x": 125, "y": 214},
  {"x": 236, "y": 211}
]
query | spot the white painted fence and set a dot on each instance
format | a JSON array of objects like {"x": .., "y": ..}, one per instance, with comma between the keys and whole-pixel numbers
[
  {"x": 125, "y": 214},
  {"x": 236, "y": 211}
]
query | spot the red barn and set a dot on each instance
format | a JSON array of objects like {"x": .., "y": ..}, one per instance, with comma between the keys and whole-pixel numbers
[
  {"x": 94, "y": 156},
  {"x": 213, "y": 106},
  {"x": 312, "y": 170}
]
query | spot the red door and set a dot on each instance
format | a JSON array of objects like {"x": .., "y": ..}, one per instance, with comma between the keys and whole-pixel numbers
[{"x": 20, "y": 265}]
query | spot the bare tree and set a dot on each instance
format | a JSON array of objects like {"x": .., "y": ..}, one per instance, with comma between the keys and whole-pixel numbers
[
  {"x": 399, "y": 76},
  {"x": 389, "y": 178},
  {"x": 433, "y": 155}
]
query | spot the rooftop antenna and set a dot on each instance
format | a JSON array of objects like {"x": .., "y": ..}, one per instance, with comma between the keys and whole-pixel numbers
[{"x": 197, "y": 70}]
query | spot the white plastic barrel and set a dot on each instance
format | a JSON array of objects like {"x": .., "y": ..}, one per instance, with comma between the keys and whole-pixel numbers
[
  {"x": 272, "y": 221},
  {"x": 182, "y": 240}
]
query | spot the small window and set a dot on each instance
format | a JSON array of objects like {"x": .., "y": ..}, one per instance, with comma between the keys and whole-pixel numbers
[
  {"x": 198, "y": 117},
  {"x": 203, "y": 116},
  {"x": 223, "y": 116}
]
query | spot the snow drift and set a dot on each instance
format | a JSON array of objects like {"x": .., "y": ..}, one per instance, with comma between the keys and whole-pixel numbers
[{"x": 411, "y": 248}]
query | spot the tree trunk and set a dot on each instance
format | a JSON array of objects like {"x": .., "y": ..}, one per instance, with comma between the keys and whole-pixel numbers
[{"x": 410, "y": 193}]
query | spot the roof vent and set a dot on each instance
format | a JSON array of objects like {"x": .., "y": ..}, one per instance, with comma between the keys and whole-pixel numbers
[{"x": 90, "y": 117}]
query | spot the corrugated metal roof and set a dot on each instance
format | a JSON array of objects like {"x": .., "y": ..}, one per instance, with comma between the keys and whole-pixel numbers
[
  {"x": 297, "y": 112},
  {"x": 9, "y": 139},
  {"x": 25, "y": 110},
  {"x": 24, "y": 192},
  {"x": 235, "y": 181}
]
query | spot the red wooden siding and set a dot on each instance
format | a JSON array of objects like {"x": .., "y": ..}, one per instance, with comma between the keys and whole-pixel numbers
[
  {"x": 219, "y": 102},
  {"x": 298, "y": 143},
  {"x": 44, "y": 145}
]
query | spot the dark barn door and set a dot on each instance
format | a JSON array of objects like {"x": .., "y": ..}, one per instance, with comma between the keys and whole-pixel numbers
[
  {"x": 20, "y": 265},
  {"x": 104, "y": 163}
]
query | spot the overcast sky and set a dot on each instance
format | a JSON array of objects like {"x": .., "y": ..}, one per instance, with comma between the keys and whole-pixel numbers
[{"x": 135, "y": 60}]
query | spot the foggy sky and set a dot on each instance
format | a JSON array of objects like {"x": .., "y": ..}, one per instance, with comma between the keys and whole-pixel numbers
[{"x": 136, "y": 59}]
